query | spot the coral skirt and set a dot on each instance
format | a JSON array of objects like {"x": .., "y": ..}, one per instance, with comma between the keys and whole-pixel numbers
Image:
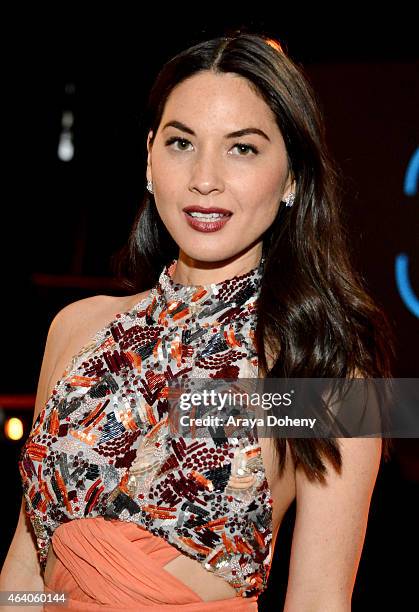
[{"x": 117, "y": 565}]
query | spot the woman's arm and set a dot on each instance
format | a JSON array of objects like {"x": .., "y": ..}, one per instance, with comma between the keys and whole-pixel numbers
[
  {"x": 329, "y": 532},
  {"x": 21, "y": 570}
]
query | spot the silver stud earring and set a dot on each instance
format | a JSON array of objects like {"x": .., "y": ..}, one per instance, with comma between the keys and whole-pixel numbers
[
  {"x": 289, "y": 200},
  {"x": 150, "y": 186}
]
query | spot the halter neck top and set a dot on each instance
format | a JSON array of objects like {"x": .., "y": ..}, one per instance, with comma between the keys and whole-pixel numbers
[{"x": 101, "y": 445}]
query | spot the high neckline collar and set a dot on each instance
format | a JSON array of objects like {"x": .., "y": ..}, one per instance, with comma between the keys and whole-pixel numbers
[{"x": 235, "y": 290}]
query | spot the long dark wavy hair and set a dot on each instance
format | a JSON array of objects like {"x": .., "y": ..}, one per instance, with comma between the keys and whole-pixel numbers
[{"x": 314, "y": 314}]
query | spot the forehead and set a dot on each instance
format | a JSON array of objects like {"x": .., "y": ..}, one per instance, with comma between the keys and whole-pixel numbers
[{"x": 214, "y": 98}]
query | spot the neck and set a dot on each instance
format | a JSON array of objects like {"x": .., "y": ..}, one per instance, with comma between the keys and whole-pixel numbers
[{"x": 194, "y": 272}]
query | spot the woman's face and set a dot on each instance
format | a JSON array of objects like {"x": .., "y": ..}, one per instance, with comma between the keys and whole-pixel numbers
[{"x": 197, "y": 163}]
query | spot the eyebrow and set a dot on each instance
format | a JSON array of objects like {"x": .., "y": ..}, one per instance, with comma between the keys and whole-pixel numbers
[{"x": 250, "y": 130}]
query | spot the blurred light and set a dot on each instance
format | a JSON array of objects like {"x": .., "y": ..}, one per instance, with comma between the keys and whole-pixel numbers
[
  {"x": 13, "y": 428},
  {"x": 412, "y": 175},
  {"x": 66, "y": 146},
  {"x": 65, "y": 149},
  {"x": 67, "y": 119}
]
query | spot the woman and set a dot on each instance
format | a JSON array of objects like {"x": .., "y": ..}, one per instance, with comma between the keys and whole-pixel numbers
[{"x": 240, "y": 238}]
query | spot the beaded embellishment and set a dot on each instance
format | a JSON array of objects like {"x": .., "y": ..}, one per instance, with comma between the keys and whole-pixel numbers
[{"x": 101, "y": 446}]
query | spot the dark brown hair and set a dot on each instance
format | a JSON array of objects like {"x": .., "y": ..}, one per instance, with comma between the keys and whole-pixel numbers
[{"x": 315, "y": 314}]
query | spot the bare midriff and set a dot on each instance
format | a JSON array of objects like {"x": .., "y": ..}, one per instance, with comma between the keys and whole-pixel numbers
[{"x": 206, "y": 585}]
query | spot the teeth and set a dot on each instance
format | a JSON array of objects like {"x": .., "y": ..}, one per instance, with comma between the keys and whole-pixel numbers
[{"x": 207, "y": 216}]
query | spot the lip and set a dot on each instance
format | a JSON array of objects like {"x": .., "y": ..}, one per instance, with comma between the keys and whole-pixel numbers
[
  {"x": 206, "y": 226},
  {"x": 212, "y": 209}
]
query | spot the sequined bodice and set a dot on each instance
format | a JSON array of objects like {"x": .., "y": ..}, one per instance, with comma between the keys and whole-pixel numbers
[{"x": 101, "y": 446}]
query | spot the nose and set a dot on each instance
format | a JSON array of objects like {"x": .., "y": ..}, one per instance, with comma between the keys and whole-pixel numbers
[{"x": 206, "y": 175}]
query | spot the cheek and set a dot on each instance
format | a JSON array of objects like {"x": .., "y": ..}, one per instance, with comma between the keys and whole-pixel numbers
[
  {"x": 165, "y": 183},
  {"x": 167, "y": 175},
  {"x": 261, "y": 216},
  {"x": 262, "y": 195}
]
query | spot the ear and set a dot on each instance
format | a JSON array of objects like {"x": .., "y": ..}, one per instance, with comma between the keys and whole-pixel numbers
[
  {"x": 149, "y": 147},
  {"x": 289, "y": 186}
]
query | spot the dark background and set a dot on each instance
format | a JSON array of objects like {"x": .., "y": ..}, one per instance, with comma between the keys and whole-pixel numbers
[{"x": 62, "y": 221}]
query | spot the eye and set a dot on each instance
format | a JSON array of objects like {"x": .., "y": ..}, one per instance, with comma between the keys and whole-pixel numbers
[
  {"x": 247, "y": 147},
  {"x": 242, "y": 146},
  {"x": 177, "y": 139}
]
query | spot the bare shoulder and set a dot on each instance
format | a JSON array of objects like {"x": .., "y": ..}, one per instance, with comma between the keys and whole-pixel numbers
[
  {"x": 79, "y": 321},
  {"x": 81, "y": 310},
  {"x": 94, "y": 310}
]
